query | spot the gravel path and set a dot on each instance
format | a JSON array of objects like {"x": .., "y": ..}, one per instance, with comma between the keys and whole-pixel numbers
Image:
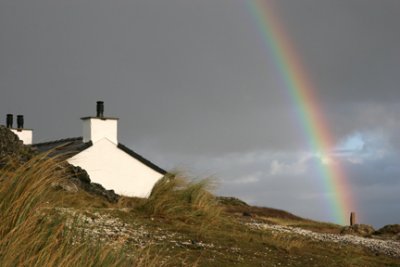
[{"x": 390, "y": 248}]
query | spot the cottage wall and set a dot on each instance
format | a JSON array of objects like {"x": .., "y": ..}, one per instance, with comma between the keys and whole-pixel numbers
[
  {"x": 24, "y": 135},
  {"x": 95, "y": 129},
  {"x": 114, "y": 169}
]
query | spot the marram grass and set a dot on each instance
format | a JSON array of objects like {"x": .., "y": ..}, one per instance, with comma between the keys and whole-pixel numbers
[
  {"x": 32, "y": 234},
  {"x": 176, "y": 198},
  {"x": 33, "y": 231}
]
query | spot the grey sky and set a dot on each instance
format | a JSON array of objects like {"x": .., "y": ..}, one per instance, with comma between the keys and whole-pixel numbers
[{"x": 196, "y": 88}]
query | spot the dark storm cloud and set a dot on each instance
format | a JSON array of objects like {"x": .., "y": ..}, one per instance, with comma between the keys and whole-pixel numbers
[
  {"x": 194, "y": 68},
  {"x": 164, "y": 68},
  {"x": 196, "y": 88},
  {"x": 349, "y": 47}
]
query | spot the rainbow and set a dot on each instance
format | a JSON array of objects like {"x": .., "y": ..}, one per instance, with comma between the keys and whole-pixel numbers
[{"x": 303, "y": 96}]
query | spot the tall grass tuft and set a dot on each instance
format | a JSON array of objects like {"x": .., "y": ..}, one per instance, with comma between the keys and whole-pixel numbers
[
  {"x": 31, "y": 233},
  {"x": 175, "y": 197}
]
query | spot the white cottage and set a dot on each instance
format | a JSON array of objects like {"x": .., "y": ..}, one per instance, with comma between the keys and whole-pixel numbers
[
  {"x": 107, "y": 162},
  {"x": 25, "y": 135}
]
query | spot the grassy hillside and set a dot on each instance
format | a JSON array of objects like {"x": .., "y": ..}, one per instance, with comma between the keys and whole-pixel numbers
[{"x": 43, "y": 223}]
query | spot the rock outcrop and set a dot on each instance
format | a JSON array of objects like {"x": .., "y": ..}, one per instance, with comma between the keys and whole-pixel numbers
[
  {"x": 81, "y": 178},
  {"x": 391, "y": 231},
  {"x": 11, "y": 148},
  {"x": 359, "y": 230}
]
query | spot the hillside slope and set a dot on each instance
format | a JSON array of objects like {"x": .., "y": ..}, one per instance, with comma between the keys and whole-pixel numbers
[{"x": 50, "y": 219}]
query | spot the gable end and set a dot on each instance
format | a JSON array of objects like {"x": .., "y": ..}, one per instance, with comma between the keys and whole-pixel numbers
[{"x": 141, "y": 159}]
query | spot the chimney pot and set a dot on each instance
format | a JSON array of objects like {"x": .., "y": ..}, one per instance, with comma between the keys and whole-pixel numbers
[
  {"x": 10, "y": 120},
  {"x": 20, "y": 121},
  {"x": 100, "y": 109}
]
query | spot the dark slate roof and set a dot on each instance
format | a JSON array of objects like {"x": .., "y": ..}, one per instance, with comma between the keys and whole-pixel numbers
[{"x": 69, "y": 147}]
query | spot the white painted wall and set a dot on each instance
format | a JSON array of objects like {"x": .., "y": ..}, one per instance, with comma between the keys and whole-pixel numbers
[
  {"x": 113, "y": 168},
  {"x": 95, "y": 129},
  {"x": 24, "y": 135}
]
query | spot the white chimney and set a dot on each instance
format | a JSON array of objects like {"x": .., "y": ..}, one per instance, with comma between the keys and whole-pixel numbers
[
  {"x": 99, "y": 127},
  {"x": 25, "y": 135}
]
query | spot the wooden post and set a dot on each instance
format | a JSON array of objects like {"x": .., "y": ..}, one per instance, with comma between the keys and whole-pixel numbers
[{"x": 352, "y": 218}]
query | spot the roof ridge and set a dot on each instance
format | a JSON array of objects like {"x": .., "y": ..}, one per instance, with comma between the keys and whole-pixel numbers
[
  {"x": 59, "y": 141},
  {"x": 71, "y": 144},
  {"x": 146, "y": 162}
]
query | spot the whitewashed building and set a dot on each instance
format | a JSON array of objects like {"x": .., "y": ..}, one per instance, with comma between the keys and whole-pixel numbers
[
  {"x": 107, "y": 161},
  {"x": 25, "y": 135}
]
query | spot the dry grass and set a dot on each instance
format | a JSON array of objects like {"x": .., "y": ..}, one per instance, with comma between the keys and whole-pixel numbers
[
  {"x": 176, "y": 198},
  {"x": 288, "y": 243},
  {"x": 30, "y": 235},
  {"x": 34, "y": 233}
]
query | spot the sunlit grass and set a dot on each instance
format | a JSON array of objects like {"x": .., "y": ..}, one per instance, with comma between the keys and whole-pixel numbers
[
  {"x": 34, "y": 230},
  {"x": 177, "y": 198},
  {"x": 30, "y": 233}
]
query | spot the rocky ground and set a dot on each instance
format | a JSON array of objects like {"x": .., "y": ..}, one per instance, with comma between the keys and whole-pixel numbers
[
  {"x": 247, "y": 235},
  {"x": 387, "y": 247},
  {"x": 114, "y": 230}
]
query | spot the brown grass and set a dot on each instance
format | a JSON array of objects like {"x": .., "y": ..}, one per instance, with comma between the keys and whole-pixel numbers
[
  {"x": 30, "y": 234},
  {"x": 34, "y": 233},
  {"x": 176, "y": 198}
]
